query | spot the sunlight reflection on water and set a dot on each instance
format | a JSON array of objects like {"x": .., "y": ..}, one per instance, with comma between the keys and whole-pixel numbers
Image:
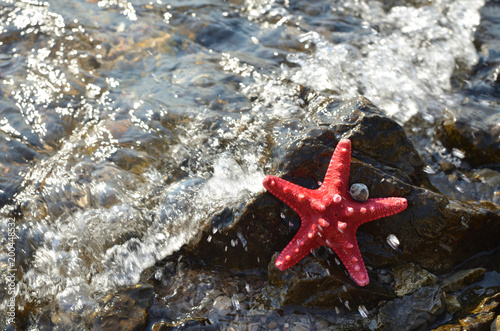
[{"x": 128, "y": 124}]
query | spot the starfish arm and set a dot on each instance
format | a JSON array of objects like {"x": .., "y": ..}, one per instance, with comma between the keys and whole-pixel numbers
[
  {"x": 337, "y": 175},
  {"x": 297, "y": 248},
  {"x": 381, "y": 207},
  {"x": 348, "y": 252},
  {"x": 293, "y": 195}
]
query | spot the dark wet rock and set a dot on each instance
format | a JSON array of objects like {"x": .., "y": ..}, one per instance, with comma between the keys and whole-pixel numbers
[
  {"x": 302, "y": 154},
  {"x": 461, "y": 279},
  {"x": 452, "y": 304},
  {"x": 190, "y": 295},
  {"x": 314, "y": 283},
  {"x": 435, "y": 232},
  {"x": 475, "y": 293},
  {"x": 244, "y": 237},
  {"x": 125, "y": 310},
  {"x": 412, "y": 312},
  {"x": 410, "y": 277},
  {"x": 474, "y": 131},
  {"x": 482, "y": 317}
]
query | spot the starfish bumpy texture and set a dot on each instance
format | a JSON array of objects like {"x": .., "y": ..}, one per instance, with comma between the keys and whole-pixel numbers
[{"x": 330, "y": 216}]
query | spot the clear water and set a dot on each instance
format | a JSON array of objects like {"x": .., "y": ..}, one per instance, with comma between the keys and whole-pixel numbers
[{"x": 126, "y": 124}]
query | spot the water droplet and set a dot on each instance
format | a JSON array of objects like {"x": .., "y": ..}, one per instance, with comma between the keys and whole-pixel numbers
[
  {"x": 346, "y": 304},
  {"x": 235, "y": 302},
  {"x": 363, "y": 311}
]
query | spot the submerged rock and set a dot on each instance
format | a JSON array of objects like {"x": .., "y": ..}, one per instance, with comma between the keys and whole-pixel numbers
[
  {"x": 452, "y": 304},
  {"x": 461, "y": 279},
  {"x": 125, "y": 310},
  {"x": 474, "y": 131}
]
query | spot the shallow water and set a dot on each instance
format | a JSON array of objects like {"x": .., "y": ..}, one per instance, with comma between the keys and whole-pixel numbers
[{"x": 126, "y": 124}]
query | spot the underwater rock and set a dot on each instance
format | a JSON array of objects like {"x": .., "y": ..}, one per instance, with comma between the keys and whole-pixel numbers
[
  {"x": 412, "y": 312},
  {"x": 452, "y": 304},
  {"x": 461, "y": 279},
  {"x": 125, "y": 310},
  {"x": 474, "y": 131}
]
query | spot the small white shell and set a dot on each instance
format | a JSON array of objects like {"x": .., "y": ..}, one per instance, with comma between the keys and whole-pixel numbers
[{"x": 359, "y": 192}]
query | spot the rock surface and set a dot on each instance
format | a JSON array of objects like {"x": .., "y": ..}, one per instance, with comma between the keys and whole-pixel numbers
[
  {"x": 125, "y": 310},
  {"x": 412, "y": 312},
  {"x": 436, "y": 232},
  {"x": 410, "y": 277},
  {"x": 460, "y": 279},
  {"x": 482, "y": 317},
  {"x": 462, "y": 129}
]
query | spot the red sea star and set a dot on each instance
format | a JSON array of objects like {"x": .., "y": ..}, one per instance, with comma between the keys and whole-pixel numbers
[{"x": 330, "y": 216}]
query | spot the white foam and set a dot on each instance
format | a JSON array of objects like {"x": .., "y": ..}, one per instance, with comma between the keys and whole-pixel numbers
[{"x": 404, "y": 66}]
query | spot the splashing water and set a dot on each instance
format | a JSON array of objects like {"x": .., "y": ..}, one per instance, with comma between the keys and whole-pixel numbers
[
  {"x": 386, "y": 62},
  {"x": 129, "y": 124}
]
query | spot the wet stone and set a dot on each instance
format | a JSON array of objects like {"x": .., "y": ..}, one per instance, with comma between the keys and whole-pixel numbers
[
  {"x": 452, "y": 304},
  {"x": 314, "y": 283},
  {"x": 435, "y": 232},
  {"x": 222, "y": 303},
  {"x": 461, "y": 279},
  {"x": 410, "y": 277},
  {"x": 482, "y": 317},
  {"x": 125, "y": 310},
  {"x": 473, "y": 130},
  {"x": 243, "y": 237},
  {"x": 416, "y": 311}
]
